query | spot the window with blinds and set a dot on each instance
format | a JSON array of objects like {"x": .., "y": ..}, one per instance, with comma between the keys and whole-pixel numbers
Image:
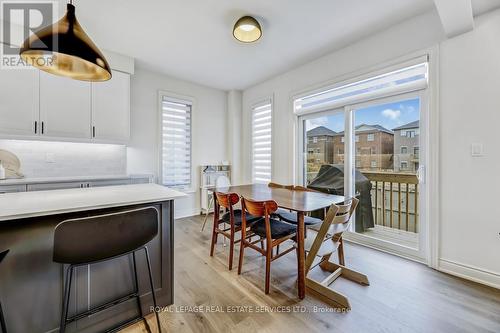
[
  {"x": 262, "y": 142},
  {"x": 176, "y": 142},
  {"x": 405, "y": 79}
]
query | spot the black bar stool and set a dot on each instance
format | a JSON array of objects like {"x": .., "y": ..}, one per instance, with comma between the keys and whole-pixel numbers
[
  {"x": 85, "y": 241},
  {"x": 2, "y": 319}
]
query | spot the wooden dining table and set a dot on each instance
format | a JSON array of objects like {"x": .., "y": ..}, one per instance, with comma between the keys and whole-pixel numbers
[{"x": 300, "y": 202}]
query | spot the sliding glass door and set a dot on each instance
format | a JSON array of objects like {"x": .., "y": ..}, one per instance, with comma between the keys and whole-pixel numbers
[
  {"x": 375, "y": 151},
  {"x": 388, "y": 158}
]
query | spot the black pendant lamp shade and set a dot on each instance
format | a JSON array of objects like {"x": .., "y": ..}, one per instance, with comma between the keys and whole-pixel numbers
[{"x": 64, "y": 49}]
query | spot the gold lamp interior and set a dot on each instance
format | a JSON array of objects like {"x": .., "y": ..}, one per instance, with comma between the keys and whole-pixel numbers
[
  {"x": 64, "y": 49},
  {"x": 247, "y": 29}
]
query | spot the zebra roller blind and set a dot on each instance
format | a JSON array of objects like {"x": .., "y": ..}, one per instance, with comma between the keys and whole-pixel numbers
[
  {"x": 176, "y": 142},
  {"x": 262, "y": 142}
]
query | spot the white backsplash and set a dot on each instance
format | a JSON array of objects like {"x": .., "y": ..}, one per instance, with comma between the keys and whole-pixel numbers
[{"x": 65, "y": 159}]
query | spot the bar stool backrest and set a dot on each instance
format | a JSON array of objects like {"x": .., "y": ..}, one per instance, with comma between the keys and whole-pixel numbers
[
  {"x": 95, "y": 238},
  {"x": 3, "y": 255}
]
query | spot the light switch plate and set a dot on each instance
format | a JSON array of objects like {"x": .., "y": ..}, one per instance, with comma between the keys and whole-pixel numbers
[{"x": 477, "y": 150}]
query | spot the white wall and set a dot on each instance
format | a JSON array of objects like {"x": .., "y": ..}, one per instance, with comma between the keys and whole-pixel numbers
[
  {"x": 469, "y": 80},
  {"x": 234, "y": 113},
  {"x": 470, "y": 113},
  {"x": 208, "y": 128}
]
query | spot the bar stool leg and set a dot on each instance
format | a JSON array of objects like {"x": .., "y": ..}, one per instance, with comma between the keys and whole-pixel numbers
[
  {"x": 2, "y": 320},
  {"x": 136, "y": 285},
  {"x": 152, "y": 289},
  {"x": 65, "y": 304}
]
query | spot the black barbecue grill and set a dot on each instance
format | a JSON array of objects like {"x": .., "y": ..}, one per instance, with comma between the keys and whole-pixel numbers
[{"x": 330, "y": 179}]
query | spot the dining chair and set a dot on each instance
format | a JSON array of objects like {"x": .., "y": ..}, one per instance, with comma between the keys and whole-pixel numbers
[
  {"x": 273, "y": 231},
  {"x": 325, "y": 239},
  {"x": 221, "y": 181},
  {"x": 98, "y": 239},
  {"x": 289, "y": 216},
  {"x": 233, "y": 217},
  {"x": 3, "y": 254}
]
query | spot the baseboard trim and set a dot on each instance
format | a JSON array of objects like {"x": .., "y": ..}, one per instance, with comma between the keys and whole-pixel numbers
[
  {"x": 471, "y": 273},
  {"x": 186, "y": 213}
]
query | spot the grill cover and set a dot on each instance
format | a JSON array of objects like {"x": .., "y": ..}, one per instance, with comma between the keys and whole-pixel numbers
[{"x": 330, "y": 179}]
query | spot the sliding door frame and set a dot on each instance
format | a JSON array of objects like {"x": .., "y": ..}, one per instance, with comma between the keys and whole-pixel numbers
[
  {"x": 419, "y": 254},
  {"x": 429, "y": 99}
]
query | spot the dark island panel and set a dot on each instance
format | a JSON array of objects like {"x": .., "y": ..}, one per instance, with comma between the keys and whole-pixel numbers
[{"x": 31, "y": 284}]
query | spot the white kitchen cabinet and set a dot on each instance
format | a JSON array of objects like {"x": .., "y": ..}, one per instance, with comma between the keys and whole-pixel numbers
[
  {"x": 111, "y": 109},
  {"x": 19, "y": 93},
  {"x": 65, "y": 107}
]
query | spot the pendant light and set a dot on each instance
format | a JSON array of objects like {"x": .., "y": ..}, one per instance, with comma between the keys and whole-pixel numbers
[
  {"x": 64, "y": 49},
  {"x": 247, "y": 29}
]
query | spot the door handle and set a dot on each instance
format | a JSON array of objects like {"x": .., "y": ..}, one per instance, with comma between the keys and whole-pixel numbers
[
  {"x": 43, "y": 127},
  {"x": 36, "y": 126},
  {"x": 93, "y": 131}
]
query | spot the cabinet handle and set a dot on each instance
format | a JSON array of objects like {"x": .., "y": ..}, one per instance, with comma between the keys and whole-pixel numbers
[
  {"x": 93, "y": 131},
  {"x": 36, "y": 126},
  {"x": 42, "y": 127}
]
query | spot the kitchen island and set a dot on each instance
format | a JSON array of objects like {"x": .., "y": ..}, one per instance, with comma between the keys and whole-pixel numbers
[{"x": 31, "y": 284}]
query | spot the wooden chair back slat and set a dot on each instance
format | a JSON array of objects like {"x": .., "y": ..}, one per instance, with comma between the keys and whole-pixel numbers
[
  {"x": 341, "y": 219},
  {"x": 259, "y": 208},
  {"x": 276, "y": 185},
  {"x": 302, "y": 188},
  {"x": 227, "y": 200},
  {"x": 341, "y": 213}
]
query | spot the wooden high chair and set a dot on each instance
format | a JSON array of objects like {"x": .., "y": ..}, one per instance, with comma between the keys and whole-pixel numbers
[{"x": 328, "y": 240}]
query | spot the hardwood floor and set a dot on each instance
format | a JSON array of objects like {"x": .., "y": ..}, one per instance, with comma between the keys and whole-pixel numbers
[{"x": 404, "y": 296}]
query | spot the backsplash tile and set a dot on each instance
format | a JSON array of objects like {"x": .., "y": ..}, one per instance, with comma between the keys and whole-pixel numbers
[{"x": 66, "y": 159}]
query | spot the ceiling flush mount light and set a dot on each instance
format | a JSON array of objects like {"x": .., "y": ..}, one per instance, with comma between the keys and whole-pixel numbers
[
  {"x": 247, "y": 30},
  {"x": 64, "y": 49}
]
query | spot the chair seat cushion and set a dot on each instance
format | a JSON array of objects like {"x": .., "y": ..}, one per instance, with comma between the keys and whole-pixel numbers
[
  {"x": 278, "y": 229},
  {"x": 291, "y": 217},
  {"x": 237, "y": 217}
]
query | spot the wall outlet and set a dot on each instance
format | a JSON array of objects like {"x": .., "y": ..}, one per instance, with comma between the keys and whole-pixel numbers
[{"x": 50, "y": 158}]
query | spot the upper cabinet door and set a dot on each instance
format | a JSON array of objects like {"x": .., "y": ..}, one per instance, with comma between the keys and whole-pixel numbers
[
  {"x": 65, "y": 107},
  {"x": 18, "y": 102},
  {"x": 111, "y": 109}
]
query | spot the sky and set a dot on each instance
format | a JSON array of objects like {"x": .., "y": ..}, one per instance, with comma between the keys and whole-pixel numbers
[{"x": 389, "y": 115}]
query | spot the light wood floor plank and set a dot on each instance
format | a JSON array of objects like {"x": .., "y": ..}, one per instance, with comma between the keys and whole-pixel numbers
[{"x": 403, "y": 296}]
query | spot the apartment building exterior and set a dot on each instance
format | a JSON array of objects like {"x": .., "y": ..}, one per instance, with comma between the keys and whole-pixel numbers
[
  {"x": 320, "y": 145},
  {"x": 374, "y": 148},
  {"x": 406, "y": 147}
]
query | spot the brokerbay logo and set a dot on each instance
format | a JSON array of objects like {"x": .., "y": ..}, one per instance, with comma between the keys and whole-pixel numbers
[{"x": 19, "y": 20}]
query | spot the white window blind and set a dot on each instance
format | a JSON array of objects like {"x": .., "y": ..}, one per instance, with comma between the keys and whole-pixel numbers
[
  {"x": 176, "y": 142},
  {"x": 262, "y": 142},
  {"x": 409, "y": 78}
]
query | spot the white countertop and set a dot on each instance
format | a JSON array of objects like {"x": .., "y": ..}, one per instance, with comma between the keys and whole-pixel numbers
[
  {"x": 44, "y": 180},
  {"x": 42, "y": 203}
]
